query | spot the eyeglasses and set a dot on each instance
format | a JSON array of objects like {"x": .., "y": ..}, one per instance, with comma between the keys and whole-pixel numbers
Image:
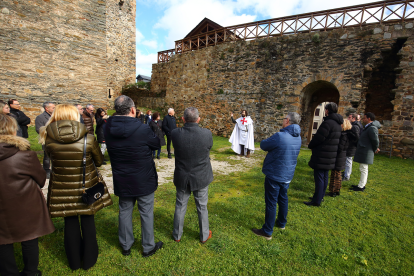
[{"x": 15, "y": 104}]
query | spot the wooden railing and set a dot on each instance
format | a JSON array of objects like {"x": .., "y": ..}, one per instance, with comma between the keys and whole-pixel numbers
[{"x": 360, "y": 15}]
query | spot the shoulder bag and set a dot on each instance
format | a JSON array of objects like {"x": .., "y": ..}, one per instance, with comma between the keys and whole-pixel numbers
[{"x": 89, "y": 196}]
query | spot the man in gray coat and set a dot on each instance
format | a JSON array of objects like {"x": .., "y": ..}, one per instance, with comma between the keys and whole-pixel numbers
[
  {"x": 40, "y": 121},
  {"x": 367, "y": 145},
  {"x": 193, "y": 172}
]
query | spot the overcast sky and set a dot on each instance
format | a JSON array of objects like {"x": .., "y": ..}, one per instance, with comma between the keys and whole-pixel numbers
[{"x": 160, "y": 23}]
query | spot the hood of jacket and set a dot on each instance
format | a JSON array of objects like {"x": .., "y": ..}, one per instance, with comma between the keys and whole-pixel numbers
[
  {"x": 293, "y": 130},
  {"x": 122, "y": 126},
  {"x": 376, "y": 124},
  {"x": 10, "y": 144},
  {"x": 66, "y": 131},
  {"x": 336, "y": 117}
]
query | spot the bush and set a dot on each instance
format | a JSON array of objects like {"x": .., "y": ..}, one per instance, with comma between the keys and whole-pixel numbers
[{"x": 142, "y": 84}]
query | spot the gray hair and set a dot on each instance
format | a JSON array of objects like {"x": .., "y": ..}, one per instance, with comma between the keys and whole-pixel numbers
[
  {"x": 89, "y": 105},
  {"x": 123, "y": 105},
  {"x": 170, "y": 109},
  {"x": 76, "y": 105},
  {"x": 294, "y": 118},
  {"x": 46, "y": 104},
  {"x": 191, "y": 114},
  {"x": 354, "y": 115}
]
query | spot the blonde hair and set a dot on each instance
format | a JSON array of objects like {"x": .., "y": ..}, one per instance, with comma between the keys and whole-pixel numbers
[
  {"x": 2, "y": 105},
  {"x": 8, "y": 125},
  {"x": 61, "y": 112},
  {"x": 346, "y": 125}
]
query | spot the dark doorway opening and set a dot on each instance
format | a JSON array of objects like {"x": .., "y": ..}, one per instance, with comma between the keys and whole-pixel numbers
[
  {"x": 381, "y": 83},
  {"x": 314, "y": 94}
]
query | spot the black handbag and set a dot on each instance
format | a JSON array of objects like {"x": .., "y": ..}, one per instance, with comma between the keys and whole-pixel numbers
[{"x": 89, "y": 196}]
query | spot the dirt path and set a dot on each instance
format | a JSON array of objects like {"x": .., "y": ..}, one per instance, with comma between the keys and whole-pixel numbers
[{"x": 165, "y": 168}]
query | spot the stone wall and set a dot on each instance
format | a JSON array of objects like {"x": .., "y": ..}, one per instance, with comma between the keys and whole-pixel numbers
[
  {"x": 361, "y": 69},
  {"x": 145, "y": 98},
  {"x": 65, "y": 51}
]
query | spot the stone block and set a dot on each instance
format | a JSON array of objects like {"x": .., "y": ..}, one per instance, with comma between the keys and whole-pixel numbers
[
  {"x": 377, "y": 30},
  {"x": 397, "y": 27},
  {"x": 387, "y": 35},
  {"x": 5, "y": 11},
  {"x": 409, "y": 25},
  {"x": 344, "y": 36}
]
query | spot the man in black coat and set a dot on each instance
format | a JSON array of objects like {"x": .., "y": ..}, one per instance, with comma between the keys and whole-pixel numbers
[
  {"x": 353, "y": 137},
  {"x": 168, "y": 125},
  {"x": 324, "y": 146},
  {"x": 193, "y": 172},
  {"x": 20, "y": 117},
  {"x": 130, "y": 144},
  {"x": 40, "y": 121}
]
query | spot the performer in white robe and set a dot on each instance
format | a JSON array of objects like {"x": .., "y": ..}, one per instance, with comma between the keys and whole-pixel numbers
[{"x": 242, "y": 138}]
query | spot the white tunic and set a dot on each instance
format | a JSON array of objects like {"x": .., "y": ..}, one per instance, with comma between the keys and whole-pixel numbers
[{"x": 243, "y": 134}]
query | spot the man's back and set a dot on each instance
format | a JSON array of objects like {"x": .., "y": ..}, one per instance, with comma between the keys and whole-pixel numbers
[
  {"x": 130, "y": 144},
  {"x": 192, "y": 145}
]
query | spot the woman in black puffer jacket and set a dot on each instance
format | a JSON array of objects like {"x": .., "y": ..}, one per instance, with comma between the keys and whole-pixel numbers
[
  {"x": 336, "y": 177},
  {"x": 324, "y": 146}
]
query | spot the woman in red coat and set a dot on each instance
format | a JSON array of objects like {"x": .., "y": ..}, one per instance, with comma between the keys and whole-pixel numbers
[{"x": 24, "y": 216}]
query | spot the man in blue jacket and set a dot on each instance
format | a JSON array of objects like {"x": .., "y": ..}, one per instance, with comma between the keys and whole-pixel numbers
[
  {"x": 279, "y": 168},
  {"x": 130, "y": 144}
]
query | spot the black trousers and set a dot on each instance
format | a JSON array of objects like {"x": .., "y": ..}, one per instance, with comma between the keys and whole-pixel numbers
[
  {"x": 30, "y": 251},
  {"x": 321, "y": 183},
  {"x": 80, "y": 241},
  {"x": 169, "y": 143},
  {"x": 46, "y": 162}
]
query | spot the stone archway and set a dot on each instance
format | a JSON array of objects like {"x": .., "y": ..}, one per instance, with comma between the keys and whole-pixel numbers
[{"x": 312, "y": 95}]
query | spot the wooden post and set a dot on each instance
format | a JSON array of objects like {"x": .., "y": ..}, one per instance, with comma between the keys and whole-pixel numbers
[
  {"x": 310, "y": 26},
  {"x": 296, "y": 24},
  {"x": 362, "y": 17},
  {"x": 405, "y": 8}
]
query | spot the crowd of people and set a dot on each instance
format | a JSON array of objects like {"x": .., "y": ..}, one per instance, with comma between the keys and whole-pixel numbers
[{"x": 133, "y": 140}]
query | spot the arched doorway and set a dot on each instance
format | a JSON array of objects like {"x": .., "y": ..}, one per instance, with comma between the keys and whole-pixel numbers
[{"x": 314, "y": 94}]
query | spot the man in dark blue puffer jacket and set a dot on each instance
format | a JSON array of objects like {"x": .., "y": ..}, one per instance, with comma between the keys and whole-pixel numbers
[{"x": 279, "y": 168}]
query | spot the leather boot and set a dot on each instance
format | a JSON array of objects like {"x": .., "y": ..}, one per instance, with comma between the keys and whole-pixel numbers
[
  {"x": 242, "y": 150},
  {"x": 248, "y": 153}
]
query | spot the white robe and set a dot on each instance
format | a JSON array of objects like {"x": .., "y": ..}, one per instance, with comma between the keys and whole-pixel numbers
[{"x": 242, "y": 137}]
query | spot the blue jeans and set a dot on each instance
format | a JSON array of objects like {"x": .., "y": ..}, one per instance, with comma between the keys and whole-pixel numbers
[
  {"x": 275, "y": 192},
  {"x": 321, "y": 183},
  {"x": 158, "y": 153}
]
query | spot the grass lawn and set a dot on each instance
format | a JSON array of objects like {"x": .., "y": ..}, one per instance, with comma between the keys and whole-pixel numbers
[{"x": 357, "y": 233}]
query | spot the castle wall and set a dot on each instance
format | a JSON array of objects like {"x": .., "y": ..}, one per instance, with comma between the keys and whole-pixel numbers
[
  {"x": 63, "y": 51},
  {"x": 270, "y": 77}
]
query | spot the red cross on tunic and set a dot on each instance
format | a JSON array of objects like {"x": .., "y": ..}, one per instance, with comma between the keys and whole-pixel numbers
[{"x": 243, "y": 121}]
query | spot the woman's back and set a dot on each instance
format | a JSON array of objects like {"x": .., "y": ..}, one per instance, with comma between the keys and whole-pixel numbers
[
  {"x": 65, "y": 145},
  {"x": 21, "y": 199}
]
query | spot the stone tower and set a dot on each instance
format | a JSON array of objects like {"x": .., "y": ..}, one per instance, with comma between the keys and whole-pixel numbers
[{"x": 66, "y": 51}]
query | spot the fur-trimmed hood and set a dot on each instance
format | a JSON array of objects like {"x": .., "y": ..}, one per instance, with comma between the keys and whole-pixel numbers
[{"x": 10, "y": 144}]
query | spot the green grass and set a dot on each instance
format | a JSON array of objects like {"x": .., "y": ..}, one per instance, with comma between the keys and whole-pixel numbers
[{"x": 357, "y": 233}]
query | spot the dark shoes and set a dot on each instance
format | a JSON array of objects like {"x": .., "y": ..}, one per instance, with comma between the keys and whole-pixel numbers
[
  {"x": 126, "y": 252},
  {"x": 310, "y": 203},
  {"x": 210, "y": 234},
  {"x": 333, "y": 194},
  {"x": 158, "y": 245},
  {"x": 311, "y": 198},
  {"x": 158, "y": 157},
  {"x": 357, "y": 189},
  {"x": 169, "y": 156},
  {"x": 261, "y": 233},
  {"x": 104, "y": 163}
]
